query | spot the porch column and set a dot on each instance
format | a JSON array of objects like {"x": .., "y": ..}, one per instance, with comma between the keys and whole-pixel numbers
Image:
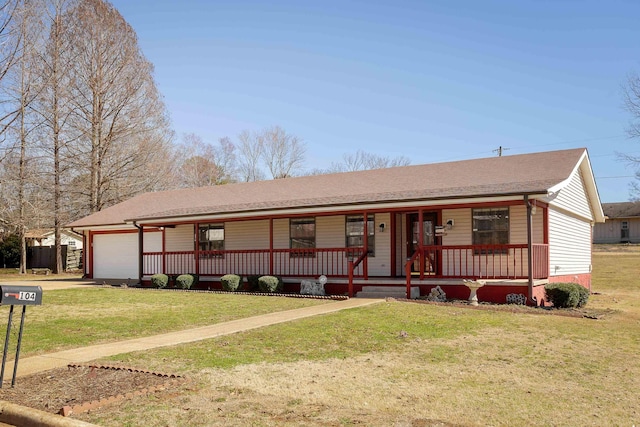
[
  {"x": 365, "y": 242},
  {"x": 392, "y": 230},
  {"x": 529, "y": 248},
  {"x": 85, "y": 253},
  {"x": 271, "y": 268},
  {"x": 196, "y": 232},
  {"x": 140, "y": 252},
  {"x": 164, "y": 251},
  {"x": 421, "y": 242}
]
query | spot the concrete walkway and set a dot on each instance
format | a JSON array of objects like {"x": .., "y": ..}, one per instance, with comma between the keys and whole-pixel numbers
[{"x": 31, "y": 365}]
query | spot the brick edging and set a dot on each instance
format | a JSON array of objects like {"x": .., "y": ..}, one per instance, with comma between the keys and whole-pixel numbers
[{"x": 173, "y": 380}]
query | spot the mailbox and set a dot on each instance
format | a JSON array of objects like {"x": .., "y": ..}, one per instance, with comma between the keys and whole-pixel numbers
[{"x": 20, "y": 295}]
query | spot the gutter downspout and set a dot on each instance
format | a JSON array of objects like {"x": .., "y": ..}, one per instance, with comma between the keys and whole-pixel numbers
[
  {"x": 529, "y": 251},
  {"x": 140, "y": 251}
]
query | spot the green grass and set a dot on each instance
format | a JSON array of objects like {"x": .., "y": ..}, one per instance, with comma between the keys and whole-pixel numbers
[
  {"x": 385, "y": 364},
  {"x": 348, "y": 333},
  {"x": 78, "y": 317},
  {"x": 465, "y": 366}
]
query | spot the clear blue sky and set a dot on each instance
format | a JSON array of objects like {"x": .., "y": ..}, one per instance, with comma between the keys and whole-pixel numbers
[{"x": 431, "y": 80}]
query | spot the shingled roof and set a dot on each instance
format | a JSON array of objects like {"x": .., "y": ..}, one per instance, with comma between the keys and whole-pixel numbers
[
  {"x": 534, "y": 173},
  {"x": 622, "y": 209}
]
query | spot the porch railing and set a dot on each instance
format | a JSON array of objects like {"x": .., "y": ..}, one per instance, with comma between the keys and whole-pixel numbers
[
  {"x": 310, "y": 262},
  {"x": 478, "y": 262}
]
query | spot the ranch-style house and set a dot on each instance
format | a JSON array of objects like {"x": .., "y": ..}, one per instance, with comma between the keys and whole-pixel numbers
[{"x": 516, "y": 222}]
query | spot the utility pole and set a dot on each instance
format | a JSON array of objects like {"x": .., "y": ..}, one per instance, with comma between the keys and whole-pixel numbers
[{"x": 499, "y": 150}]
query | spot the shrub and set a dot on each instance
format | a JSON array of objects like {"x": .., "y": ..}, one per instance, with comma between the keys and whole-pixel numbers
[
  {"x": 159, "y": 280},
  {"x": 270, "y": 284},
  {"x": 567, "y": 295},
  {"x": 231, "y": 282},
  {"x": 185, "y": 281},
  {"x": 253, "y": 282},
  {"x": 196, "y": 279}
]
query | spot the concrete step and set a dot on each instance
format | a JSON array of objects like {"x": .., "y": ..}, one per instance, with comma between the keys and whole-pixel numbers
[{"x": 387, "y": 292}]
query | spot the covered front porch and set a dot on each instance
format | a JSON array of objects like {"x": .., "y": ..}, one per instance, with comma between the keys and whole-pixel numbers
[{"x": 404, "y": 248}]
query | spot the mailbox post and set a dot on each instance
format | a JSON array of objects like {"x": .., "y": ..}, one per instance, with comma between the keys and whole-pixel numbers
[{"x": 17, "y": 295}]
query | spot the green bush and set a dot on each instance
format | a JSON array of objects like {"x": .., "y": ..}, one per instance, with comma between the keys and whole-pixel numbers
[
  {"x": 253, "y": 283},
  {"x": 567, "y": 295},
  {"x": 270, "y": 284},
  {"x": 231, "y": 282},
  {"x": 159, "y": 280},
  {"x": 185, "y": 281},
  {"x": 196, "y": 279}
]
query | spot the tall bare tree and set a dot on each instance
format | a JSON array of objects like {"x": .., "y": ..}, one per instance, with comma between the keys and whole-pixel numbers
[
  {"x": 55, "y": 109},
  {"x": 22, "y": 91},
  {"x": 631, "y": 96},
  {"x": 9, "y": 52},
  {"x": 120, "y": 117}
]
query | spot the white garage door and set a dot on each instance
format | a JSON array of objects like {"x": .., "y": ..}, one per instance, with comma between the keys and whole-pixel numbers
[{"x": 115, "y": 256}]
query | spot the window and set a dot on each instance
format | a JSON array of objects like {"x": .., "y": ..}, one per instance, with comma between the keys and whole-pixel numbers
[
  {"x": 491, "y": 227},
  {"x": 302, "y": 235},
  {"x": 211, "y": 237},
  {"x": 355, "y": 233}
]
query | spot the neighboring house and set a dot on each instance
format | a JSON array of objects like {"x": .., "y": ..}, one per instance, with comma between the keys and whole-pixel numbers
[
  {"x": 41, "y": 251},
  {"x": 622, "y": 224},
  {"x": 46, "y": 237},
  {"x": 518, "y": 222}
]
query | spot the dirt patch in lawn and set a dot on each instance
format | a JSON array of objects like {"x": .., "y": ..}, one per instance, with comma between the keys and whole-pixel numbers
[{"x": 79, "y": 388}]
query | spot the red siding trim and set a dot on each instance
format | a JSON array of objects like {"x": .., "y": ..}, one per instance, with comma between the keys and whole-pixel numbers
[
  {"x": 90, "y": 260},
  {"x": 392, "y": 231}
]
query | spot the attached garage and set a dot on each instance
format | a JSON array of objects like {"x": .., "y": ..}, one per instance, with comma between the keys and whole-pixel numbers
[{"x": 115, "y": 255}]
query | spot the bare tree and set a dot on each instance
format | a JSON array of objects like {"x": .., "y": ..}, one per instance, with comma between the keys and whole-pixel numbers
[
  {"x": 55, "y": 110},
  {"x": 282, "y": 153},
  {"x": 202, "y": 164},
  {"x": 362, "y": 160},
  {"x": 10, "y": 44},
  {"x": 631, "y": 96},
  {"x": 120, "y": 117},
  {"x": 21, "y": 92},
  {"x": 250, "y": 149}
]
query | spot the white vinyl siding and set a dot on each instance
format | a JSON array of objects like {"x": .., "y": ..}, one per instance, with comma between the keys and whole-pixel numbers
[
  {"x": 461, "y": 232},
  {"x": 518, "y": 225},
  {"x": 180, "y": 238},
  {"x": 573, "y": 198},
  {"x": 281, "y": 233},
  {"x": 244, "y": 235},
  {"x": 569, "y": 244},
  {"x": 330, "y": 231},
  {"x": 115, "y": 256},
  {"x": 380, "y": 265}
]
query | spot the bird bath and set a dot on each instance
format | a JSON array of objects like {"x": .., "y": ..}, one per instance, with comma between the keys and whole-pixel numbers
[{"x": 473, "y": 286}]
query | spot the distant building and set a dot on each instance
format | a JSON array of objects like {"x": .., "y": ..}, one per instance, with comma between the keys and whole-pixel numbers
[
  {"x": 46, "y": 237},
  {"x": 622, "y": 223}
]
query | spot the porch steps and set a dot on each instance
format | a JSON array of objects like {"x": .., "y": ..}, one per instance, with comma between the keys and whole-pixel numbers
[{"x": 399, "y": 292}]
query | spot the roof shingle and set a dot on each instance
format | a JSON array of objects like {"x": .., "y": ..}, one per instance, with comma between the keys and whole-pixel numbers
[{"x": 493, "y": 176}]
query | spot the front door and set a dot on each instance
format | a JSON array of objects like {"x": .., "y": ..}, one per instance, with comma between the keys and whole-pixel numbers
[{"x": 429, "y": 220}]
